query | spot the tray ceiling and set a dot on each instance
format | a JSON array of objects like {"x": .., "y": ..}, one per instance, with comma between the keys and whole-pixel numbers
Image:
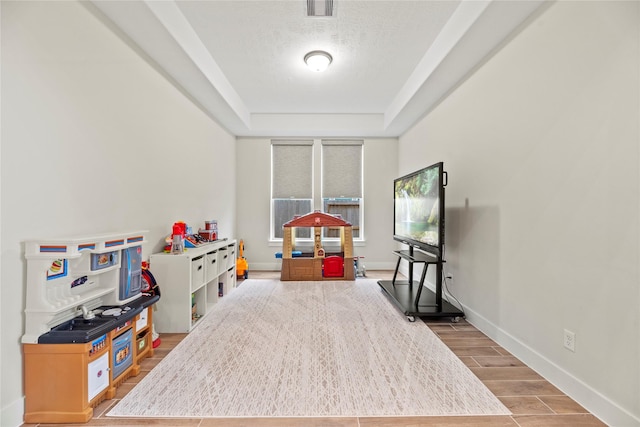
[{"x": 242, "y": 62}]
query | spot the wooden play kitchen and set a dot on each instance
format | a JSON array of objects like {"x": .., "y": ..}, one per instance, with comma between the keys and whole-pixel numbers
[
  {"x": 88, "y": 325},
  {"x": 322, "y": 265}
]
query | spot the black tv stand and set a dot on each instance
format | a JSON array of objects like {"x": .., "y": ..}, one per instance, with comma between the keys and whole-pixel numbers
[{"x": 411, "y": 297}]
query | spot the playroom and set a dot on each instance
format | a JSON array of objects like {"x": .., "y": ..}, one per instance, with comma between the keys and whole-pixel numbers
[{"x": 123, "y": 119}]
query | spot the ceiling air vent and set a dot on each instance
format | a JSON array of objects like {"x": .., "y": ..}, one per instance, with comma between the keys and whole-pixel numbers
[{"x": 319, "y": 7}]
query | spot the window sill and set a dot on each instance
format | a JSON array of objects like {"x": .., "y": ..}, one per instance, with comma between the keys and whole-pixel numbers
[{"x": 326, "y": 242}]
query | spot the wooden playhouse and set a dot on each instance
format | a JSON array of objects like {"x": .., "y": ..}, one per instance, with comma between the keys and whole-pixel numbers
[{"x": 318, "y": 265}]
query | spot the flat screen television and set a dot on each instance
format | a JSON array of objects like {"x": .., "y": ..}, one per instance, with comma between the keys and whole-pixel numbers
[{"x": 419, "y": 209}]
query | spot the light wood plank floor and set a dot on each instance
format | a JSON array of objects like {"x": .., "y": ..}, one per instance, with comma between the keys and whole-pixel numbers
[{"x": 533, "y": 401}]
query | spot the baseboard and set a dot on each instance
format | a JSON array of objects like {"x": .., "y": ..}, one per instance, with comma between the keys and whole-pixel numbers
[
  {"x": 13, "y": 414},
  {"x": 592, "y": 400},
  {"x": 277, "y": 265},
  {"x": 264, "y": 266},
  {"x": 373, "y": 266}
]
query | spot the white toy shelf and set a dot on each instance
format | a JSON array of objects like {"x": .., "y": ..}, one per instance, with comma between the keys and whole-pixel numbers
[{"x": 61, "y": 278}]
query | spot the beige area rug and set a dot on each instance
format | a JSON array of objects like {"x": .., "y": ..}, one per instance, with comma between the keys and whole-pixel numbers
[{"x": 294, "y": 349}]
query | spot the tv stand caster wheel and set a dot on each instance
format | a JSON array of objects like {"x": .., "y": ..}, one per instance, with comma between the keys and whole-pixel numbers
[
  {"x": 455, "y": 319},
  {"x": 411, "y": 318}
]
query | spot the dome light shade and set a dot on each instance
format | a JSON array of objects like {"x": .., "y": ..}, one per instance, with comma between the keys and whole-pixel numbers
[{"x": 318, "y": 60}]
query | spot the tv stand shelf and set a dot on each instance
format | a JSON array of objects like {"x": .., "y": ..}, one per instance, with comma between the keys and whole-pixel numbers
[
  {"x": 411, "y": 296},
  {"x": 418, "y": 257}
]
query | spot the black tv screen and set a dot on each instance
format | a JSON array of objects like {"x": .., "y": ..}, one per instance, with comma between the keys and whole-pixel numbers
[{"x": 419, "y": 209}]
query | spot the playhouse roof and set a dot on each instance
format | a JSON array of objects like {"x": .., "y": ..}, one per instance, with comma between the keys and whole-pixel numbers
[{"x": 317, "y": 219}]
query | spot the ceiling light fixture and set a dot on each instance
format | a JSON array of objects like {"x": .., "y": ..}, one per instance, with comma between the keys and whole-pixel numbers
[{"x": 318, "y": 60}]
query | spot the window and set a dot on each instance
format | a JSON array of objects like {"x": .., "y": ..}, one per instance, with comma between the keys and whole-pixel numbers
[
  {"x": 291, "y": 183},
  {"x": 293, "y": 180},
  {"x": 342, "y": 183}
]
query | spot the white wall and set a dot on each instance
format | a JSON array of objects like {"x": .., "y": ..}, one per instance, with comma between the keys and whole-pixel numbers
[
  {"x": 94, "y": 140},
  {"x": 541, "y": 145},
  {"x": 254, "y": 192}
]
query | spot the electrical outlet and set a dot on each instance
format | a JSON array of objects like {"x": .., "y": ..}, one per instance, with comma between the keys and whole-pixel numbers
[{"x": 569, "y": 340}]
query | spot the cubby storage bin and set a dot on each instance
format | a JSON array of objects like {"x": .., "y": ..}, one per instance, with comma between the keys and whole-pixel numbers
[
  {"x": 211, "y": 261},
  {"x": 189, "y": 283},
  {"x": 231, "y": 280},
  {"x": 231, "y": 258},
  {"x": 197, "y": 272},
  {"x": 143, "y": 341},
  {"x": 223, "y": 258}
]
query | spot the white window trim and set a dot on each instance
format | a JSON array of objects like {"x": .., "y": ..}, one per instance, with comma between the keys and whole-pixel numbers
[
  {"x": 317, "y": 200},
  {"x": 303, "y": 142}
]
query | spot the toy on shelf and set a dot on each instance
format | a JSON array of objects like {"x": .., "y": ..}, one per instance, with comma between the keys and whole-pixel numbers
[
  {"x": 210, "y": 232},
  {"x": 182, "y": 237},
  {"x": 177, "y": 237}
]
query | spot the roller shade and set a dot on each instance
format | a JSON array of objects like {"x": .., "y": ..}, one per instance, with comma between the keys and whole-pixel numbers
[
  {"x": 342, "y": 168},
  {"x": 292, "y": 169}
]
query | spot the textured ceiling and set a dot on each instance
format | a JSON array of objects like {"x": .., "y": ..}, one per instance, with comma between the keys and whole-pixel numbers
[
  {"x": 242, "y": 61},
  {"x": 374, "y": 45}
]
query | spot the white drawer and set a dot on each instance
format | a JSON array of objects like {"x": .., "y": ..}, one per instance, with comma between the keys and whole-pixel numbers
[
  {"x": 197, "y": 272},
  {"x": 231, "y": 259},
  {"x": 211, "y": 262},
  {"x": 223, "y": 258}
]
